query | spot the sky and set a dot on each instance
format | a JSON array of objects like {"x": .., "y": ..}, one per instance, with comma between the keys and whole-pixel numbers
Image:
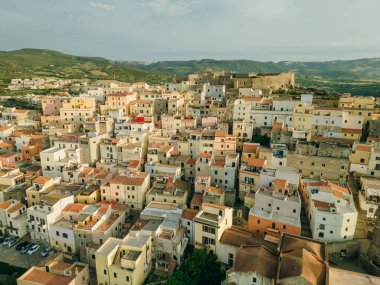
[{"x": 152, "y": 30}]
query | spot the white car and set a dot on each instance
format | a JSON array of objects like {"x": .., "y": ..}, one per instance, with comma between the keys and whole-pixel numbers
[{"x": 33, "y": 249}]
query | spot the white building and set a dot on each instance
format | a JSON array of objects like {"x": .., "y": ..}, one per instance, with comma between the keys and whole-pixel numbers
[
  {"x": 330, "y": 209},
  {"x": 369, "y": 196},
  {"x": 41, "y": 216}
]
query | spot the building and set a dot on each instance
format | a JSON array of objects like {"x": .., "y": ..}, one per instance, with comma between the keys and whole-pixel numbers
[
  {"x": 124, "y": 261},
  {"x": 209, "y": 225},
  {"x": 277, "y": 205},
  {"x": 47, "y": 212},
  {"x": 130, "y": 190},
  {"x": 56, "y": 272},
  {"x": 369, "y": 195},
  {"x": 330, "y": 209}
]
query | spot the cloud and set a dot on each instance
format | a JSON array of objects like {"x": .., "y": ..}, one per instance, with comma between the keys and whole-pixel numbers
[
  {"x": 168, "y": 7},
  {"x": 102, "y": 6}
]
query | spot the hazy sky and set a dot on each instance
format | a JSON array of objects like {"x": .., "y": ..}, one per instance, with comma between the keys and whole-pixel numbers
[{"x": 194, "y": 29}]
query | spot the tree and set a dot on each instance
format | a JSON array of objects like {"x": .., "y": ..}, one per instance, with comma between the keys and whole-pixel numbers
[
  {"x": 262, "y": 140},
  {"x": 200, "y": 267}
]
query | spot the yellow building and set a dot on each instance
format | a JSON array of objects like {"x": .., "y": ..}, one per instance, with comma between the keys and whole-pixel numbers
[
  {"x": 124, "y": 261},
  {"x": 209, "y": 225},
  {"x": 77, "y": 109},
  {"x": 120, "y": 101}
]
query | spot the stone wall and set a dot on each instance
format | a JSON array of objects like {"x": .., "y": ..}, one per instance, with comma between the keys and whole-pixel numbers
[{"x": 275, "y": 82}]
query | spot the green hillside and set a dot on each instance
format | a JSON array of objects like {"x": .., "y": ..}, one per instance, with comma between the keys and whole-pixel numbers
[
  {"x": 27, "y": 63},
  {"x": 359, "y": 77}
]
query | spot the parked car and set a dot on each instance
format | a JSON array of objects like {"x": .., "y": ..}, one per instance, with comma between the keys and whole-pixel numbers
[
  {"x": 9, "y": 240},
  {"x": 21, "y": 245},
  {"x": 33, "y": 249},
  {"x": 6, "y": 240},
  {"x": 26, "y": 248},
  {"x": 12, "y": 242},
  {"x": 47, "y": 251}
]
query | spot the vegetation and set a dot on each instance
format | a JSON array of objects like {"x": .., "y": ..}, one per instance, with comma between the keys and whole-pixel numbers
[
  {"x": 200, "y": 267},
  {"x": 9, "y": 273},
  {"x": 359, "y": 77},
  {"x": 27, "y": 63},
  {"x": 262, "y": 140}
]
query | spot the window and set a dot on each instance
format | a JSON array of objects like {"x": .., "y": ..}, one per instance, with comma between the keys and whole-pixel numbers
[
  {"x": 254, "y": 280},
  {"x": 64, "y": 235},
  {"x": 258, "y": 221},
  {"x": 105, "y": 271},
  {"x": 294, "y": 211},
  {"x": 57, "y": 233},
  {"x": 115, "y": 274},
  {"x": 321, "y": 235},
  {"x": 321, "y": 226},
  {"x": 208, "y": 229},
  {"x": 127, "y": 278}
]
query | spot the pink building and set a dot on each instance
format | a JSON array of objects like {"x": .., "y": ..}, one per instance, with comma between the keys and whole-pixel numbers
[
  {"x": 8, "y": 160},
  {"x": 51, "y": 105}
]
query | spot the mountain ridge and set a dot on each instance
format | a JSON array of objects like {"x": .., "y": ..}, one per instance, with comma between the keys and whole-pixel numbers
[{"x": 358, "y": 76}]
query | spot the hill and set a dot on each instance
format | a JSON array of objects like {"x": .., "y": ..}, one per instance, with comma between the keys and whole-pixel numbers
[
  {"x": 26, "y": 63},
  {"x": 359, "y": 77}
]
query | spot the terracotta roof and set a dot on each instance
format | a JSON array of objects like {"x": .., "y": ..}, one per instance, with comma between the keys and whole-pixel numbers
[
  {"x": 141, "y": 101},
  {"x": 251, "y": 98},
  {"x": 191, "y": 161},
  {"x": 256, "y": 162},
  {"x": 301, "y": 264},
  {"x": 339, "y": 188},
  {"x": 220, "y": 133},
  {"x": 205, "y": 155},
  {"x": 5, "y": 205},
  {"x": 21, "y": 111},
  {"x": 122, "y": 94},
  {"x": 280, "y": 182},
  {"x": 4, "y": 128},
  {"x": 189, "y": 214},
  {"x": 265, "y": 101},
  {"x": 41, "y": 180},
  {"x": 277, "y": 127},
  {"x": 36, "y": 276},
  {"x": 61, "y": 266},
  {"x": 6, "y": 144},
  {"x": 237, "y": 236},
  {"x": 74, "y": 208},
  {"x": 136, "y": 181},
  {"x": 197, "y": 199},
  {"x": 352, "y": 131},
  {"x": 15, "y": 208},
  {"x": 362, "y": 147},
  {"x": 133, "y": 163},
  {"x": 323, "y": 206},
  {"x": 250, "y": 147},
  {"x": 258, "y": 259}
]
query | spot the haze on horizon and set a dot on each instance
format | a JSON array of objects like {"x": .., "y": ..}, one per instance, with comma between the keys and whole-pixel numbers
[{"x": 152, "y": 30}]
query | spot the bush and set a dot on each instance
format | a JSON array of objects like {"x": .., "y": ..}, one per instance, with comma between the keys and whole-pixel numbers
[{"x": 200, "y": 267}]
